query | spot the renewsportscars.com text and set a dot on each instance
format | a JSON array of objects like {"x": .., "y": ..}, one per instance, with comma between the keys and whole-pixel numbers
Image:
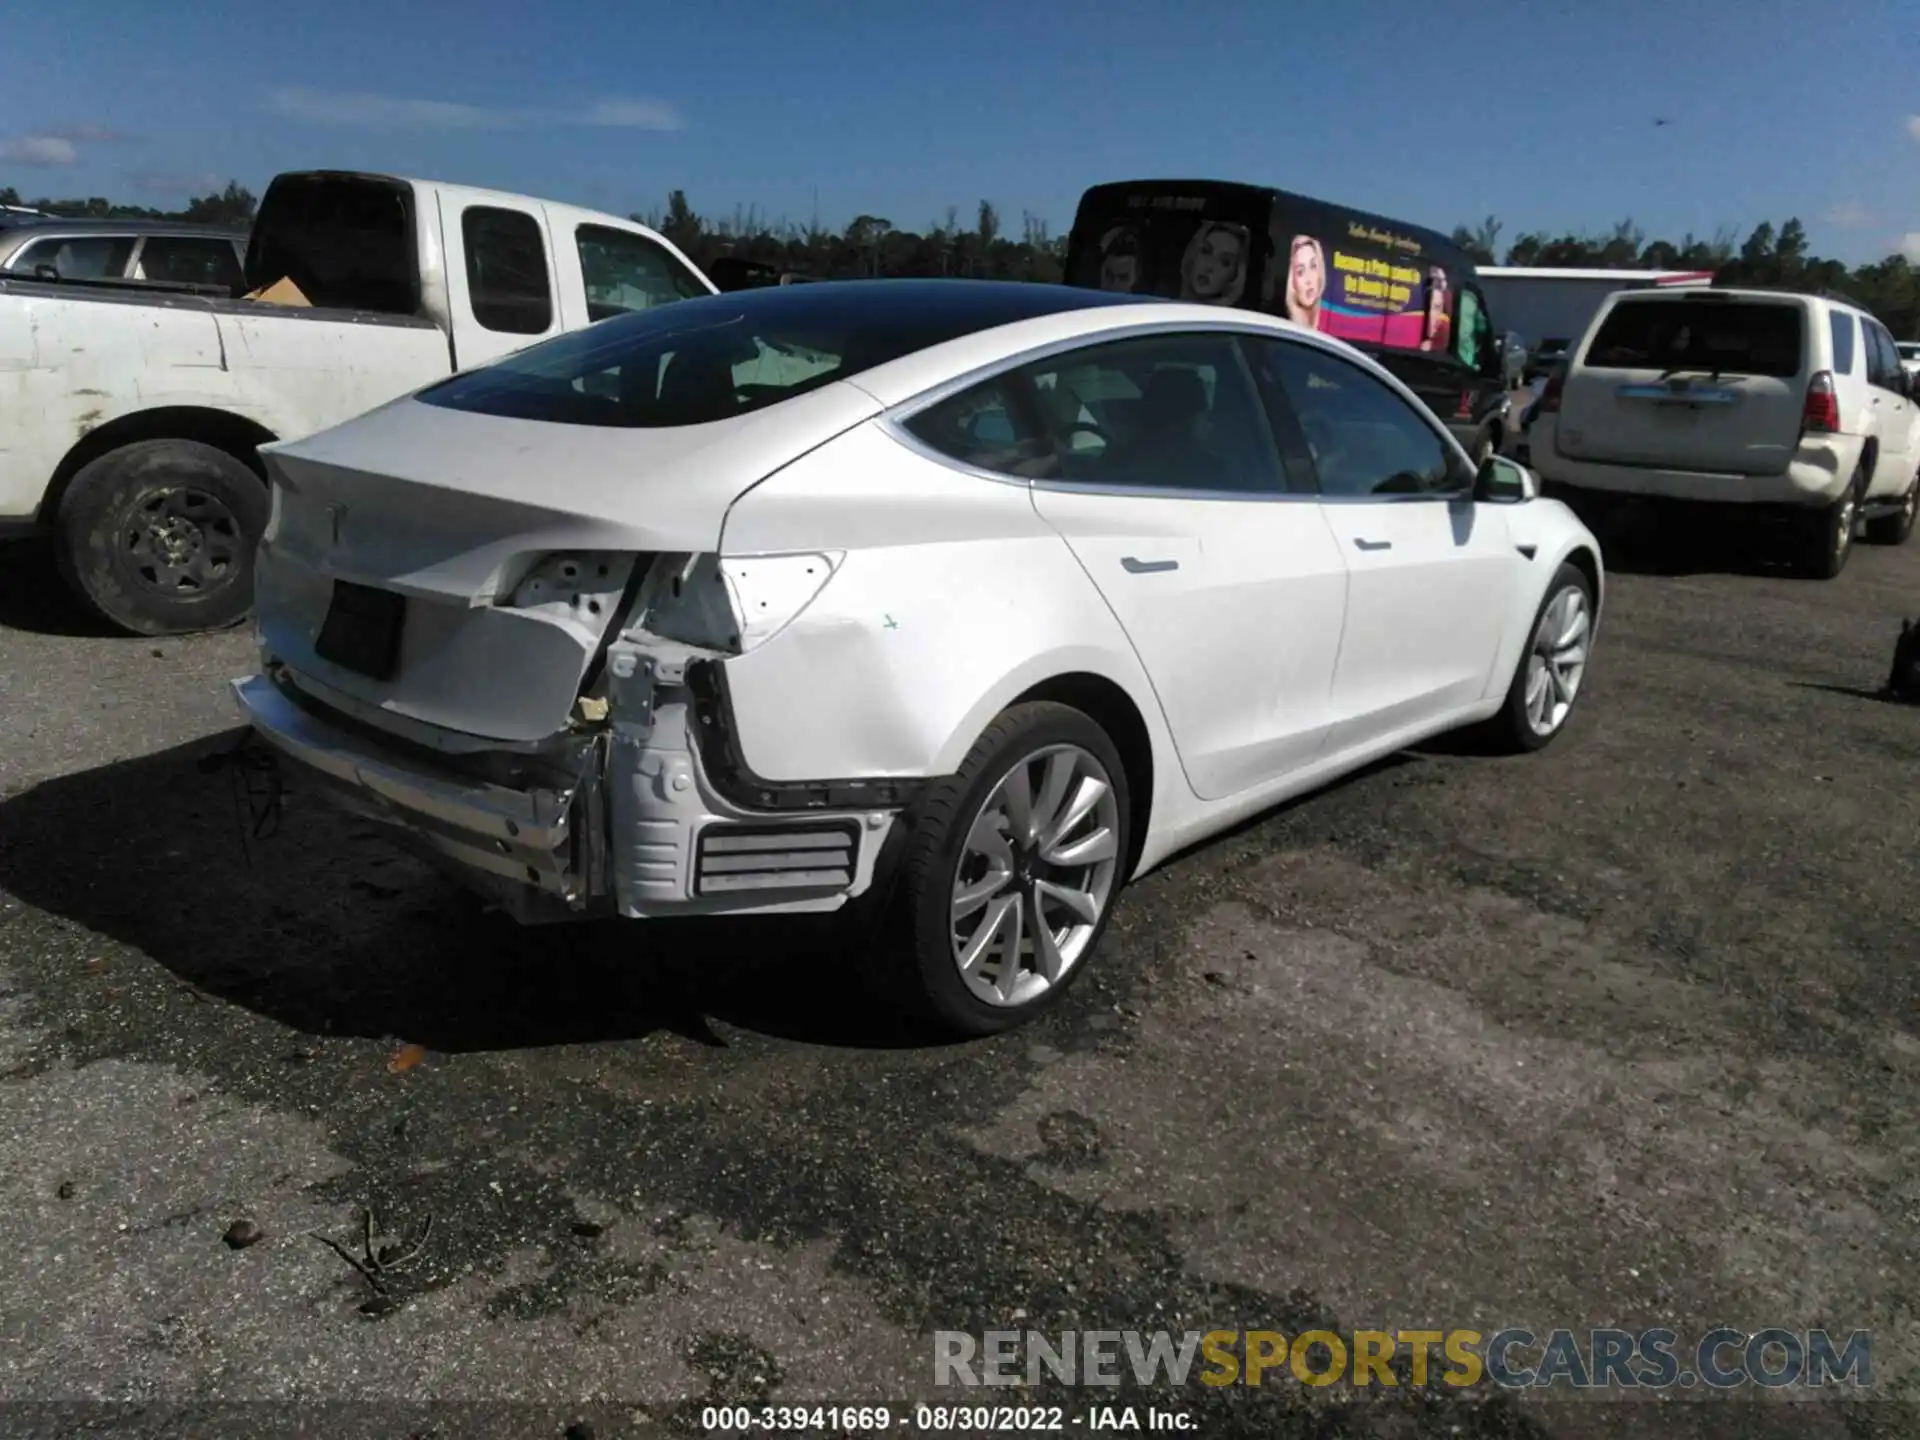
[{"x": 1656, "y": 1358}]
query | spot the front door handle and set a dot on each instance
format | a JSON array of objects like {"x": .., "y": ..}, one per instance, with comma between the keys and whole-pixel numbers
[
  {"x": 1136, "y": 566},
  {"x": 1373, "y": 544}
]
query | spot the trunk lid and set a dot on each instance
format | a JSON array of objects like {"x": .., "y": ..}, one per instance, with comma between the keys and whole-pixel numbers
[
  {"x": 1690, "y": 380},
  {"x": 509, "y": 544}
]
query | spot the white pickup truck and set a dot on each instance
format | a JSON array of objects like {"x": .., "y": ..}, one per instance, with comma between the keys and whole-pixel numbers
[{"x": 129, "y": 415}]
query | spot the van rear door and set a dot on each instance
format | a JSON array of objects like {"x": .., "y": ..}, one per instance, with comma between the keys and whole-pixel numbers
[{"x": 1689, "y": 380}]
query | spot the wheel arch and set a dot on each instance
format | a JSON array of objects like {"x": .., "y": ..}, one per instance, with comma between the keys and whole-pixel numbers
[
  {"x": 235, "y": 434},
  {"x": 1110, "y": 707},
  {"x": 1114, "y": 695}
]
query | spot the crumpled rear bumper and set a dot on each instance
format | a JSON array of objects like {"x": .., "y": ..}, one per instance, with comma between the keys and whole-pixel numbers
[{"x": 623, "y": 820}]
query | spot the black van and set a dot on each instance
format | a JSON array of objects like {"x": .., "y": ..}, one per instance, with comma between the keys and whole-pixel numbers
[{"x": 1407, "y": 296}]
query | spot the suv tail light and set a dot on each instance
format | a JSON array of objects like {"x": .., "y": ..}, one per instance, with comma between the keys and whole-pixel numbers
[
  {"x": 1550, "y": 396},
  {"x": 1821, "y": 414}
]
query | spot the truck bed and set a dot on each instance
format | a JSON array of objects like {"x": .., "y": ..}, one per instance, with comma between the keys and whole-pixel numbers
[{"x": 81, "y": 359}]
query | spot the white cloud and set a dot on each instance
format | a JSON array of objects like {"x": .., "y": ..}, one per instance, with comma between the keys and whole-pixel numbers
[
  {"x": 174, "y": 182},
  {"x": 39, "y": 150},
  {"x": 1910, "y": 246},
  {"x": 385, "y": 112},
  {"x": 390, "y": 112},
  {"x": 1913, "y": 126},
  {"x": 1849, "y": 215},
  {"x": 633, "y": 114},
  {"x": 92, "y": 133}
]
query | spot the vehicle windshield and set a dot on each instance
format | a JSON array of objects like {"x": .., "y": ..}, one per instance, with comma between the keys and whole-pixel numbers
[
  {"x": 714, "y": 358},
  {"x": 1723, "y": 337}
]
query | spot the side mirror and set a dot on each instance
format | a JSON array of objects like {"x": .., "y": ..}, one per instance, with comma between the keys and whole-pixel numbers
[{"x": 1505, "y": 482}]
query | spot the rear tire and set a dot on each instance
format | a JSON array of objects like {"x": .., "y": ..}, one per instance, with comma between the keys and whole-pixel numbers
[
  {"x": 1555, "y": 657},
  {"x": 1895, "y": 528},
  {"x": 1827, "y": 541},
  {"x": 158, "y": 536},
  {"x": 960, "y": 948}
]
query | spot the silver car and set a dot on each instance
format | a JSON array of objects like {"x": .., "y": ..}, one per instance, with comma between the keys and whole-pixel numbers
[{"x": 131, "y": 249}]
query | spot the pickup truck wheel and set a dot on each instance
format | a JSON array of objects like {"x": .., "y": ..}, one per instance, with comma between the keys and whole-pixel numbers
[
  {"x": 158, "y": 536},
  {"x": 1895, "y": 528},
  {"x": 1827, "y": 541},
  {"x": 1010, "y": 874}
]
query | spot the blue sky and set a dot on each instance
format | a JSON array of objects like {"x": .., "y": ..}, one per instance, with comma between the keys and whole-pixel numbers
[{"x": 1434, "y": 112}]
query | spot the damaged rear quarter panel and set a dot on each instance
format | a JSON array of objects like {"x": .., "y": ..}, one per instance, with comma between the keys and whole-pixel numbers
[{"x": 953, "y": 599}]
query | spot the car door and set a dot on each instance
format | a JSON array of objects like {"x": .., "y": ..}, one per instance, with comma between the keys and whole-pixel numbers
[
  {"x": 1891, "y": 411},
  {"x": 1430, "y": 572},
  {"x": 499, "y": 279},
  {"x": 1152, "y": 458}
]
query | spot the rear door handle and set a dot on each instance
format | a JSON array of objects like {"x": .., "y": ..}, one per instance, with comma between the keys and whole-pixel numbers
[
  {"x": 1373, "y": 544},
  {"x": 1136, "y": 566}
]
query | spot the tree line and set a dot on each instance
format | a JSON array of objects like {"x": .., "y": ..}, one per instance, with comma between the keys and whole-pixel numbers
[
  {"x": 981, "y": 245},
  {"x": 231, "y": 206}
]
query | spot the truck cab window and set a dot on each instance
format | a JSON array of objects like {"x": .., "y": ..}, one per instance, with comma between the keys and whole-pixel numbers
[
  {"x": 507, "y": 270},
  {"x": 623, "y": 272}
]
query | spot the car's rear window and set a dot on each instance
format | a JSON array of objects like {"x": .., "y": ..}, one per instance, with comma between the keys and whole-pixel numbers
[
  {"x": 713, "y": 358},
  {"x": 1722, "y": 337}
]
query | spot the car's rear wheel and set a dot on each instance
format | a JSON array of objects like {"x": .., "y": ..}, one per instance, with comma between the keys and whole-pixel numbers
[
  {"x": 1895, "y": 528},
  {"x": 1827, "y": 541},
  {"x": 1011, "y": 871},
  {"x": 158, "y": 536},
  {"x": 1546, "y": 682}
]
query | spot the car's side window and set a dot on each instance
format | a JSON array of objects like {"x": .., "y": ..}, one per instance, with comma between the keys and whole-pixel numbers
[
  {"x": 989, "y": 428},
  {"x": 1159, "y": 413},
  {"x": 623, "y": 271},
  {"x": 1363, "y": 439},
  {"x": 1840, "y": 322},
  {"x": 1885, "y": 370},
  {"x": 190, "y": 260},
  {"x": 94, "y": 257},
  {"x": 507, "y": 270}
]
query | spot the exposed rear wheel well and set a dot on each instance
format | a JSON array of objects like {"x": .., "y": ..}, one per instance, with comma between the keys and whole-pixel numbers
[
  {"x": 1113, "y": 710},
  {"x": 1869, "y": 457},
  {"x": 221, "y": 429}
]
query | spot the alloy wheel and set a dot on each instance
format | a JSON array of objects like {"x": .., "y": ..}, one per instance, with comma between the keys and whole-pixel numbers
[
  {"x": 1557, "y": 660},
  {"x": 1035, "y": 876}
]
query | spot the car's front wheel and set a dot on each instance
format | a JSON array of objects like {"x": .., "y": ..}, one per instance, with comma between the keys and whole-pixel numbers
[
  {"x": 1011, "y": 871},
  {"x": 1546, "y": 682}
]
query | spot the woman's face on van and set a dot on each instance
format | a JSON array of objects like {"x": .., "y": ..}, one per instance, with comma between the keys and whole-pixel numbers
[
  {"x": 1309, "y": 279},
  {"x": 1216, "y": 264},
  {"x": 1119, "y": 272}
]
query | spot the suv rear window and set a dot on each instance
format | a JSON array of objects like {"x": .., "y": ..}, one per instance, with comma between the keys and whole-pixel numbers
[{"x": 1722, "y": 337}]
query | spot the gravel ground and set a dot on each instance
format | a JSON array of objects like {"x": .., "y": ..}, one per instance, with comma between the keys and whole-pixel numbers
[{"x": 1625, "y": 1033}]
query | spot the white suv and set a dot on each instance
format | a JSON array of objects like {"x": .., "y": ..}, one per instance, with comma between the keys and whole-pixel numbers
[{"x": 1754, "y": 397}]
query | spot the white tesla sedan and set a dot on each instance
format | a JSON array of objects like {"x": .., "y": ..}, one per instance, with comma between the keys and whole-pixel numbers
[{"x": 969, "y": 600}]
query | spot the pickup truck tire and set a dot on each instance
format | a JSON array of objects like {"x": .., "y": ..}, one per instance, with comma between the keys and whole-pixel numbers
[{"x": 158, "y": 536}]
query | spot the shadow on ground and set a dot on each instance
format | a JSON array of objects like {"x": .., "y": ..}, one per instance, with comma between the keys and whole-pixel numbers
[
  {"x": 35, "y": 599},
  {"x": 1671, "y": 538},
  {"x": 324, "y": 927}
]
